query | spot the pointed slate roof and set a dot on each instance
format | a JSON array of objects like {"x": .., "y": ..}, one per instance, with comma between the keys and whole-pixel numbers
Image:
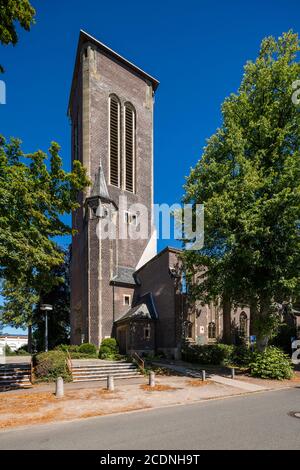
[
  {"x": 100, "y": 187},
  {"x": 124, "y": 276},
  {"x": 144, "y": 309}
]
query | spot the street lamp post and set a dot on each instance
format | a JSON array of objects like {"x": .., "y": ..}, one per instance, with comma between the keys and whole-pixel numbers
[{"x": 46, "y": 308}]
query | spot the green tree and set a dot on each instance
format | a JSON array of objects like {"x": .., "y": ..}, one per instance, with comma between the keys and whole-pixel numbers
[
  {"x": 249, "y": 181},
  {"x": 11, "y": 12},
  {"x": 33, "y": 198}
]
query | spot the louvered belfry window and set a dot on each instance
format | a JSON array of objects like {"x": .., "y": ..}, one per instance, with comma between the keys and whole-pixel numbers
[
  {"x": 129, "y": 164},
  {"x": 114, "y": 141}
]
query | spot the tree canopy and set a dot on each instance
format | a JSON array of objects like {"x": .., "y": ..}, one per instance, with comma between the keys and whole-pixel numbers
[
  {"x": 34, "y": 195},
  {"x": 248, "y": 178},
  {"x": 11, "y": 12}
]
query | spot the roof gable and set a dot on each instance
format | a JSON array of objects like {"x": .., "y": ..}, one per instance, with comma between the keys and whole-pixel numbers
[{"x": 84, "y": 37}]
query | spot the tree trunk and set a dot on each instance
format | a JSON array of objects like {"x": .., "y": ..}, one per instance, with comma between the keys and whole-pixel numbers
[
  {"x": 30, "y": 338},
  {"x": 253, "y": 317},
  {"x": 258, "y": 317},
  {"x": 226, "y": 304},
  {"x": 262, "y": 342}
]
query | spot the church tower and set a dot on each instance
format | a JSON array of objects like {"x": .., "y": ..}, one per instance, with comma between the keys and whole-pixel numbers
[{"x": 111, "y": 112}]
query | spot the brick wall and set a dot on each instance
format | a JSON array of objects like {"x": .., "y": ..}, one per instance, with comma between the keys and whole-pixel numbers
[
  {"x": 155, "y": 278},
  {"x": 97, "y": 76}
]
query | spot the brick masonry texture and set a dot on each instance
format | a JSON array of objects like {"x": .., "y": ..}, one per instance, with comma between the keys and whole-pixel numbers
[{"x": 95, "y": 302}]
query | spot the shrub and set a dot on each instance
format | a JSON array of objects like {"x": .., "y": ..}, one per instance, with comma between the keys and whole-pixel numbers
[
  {"x": 106, "y": 353},
  {"x": 84, "y": 351},
  {"x": 110, "y": 343},
  {"x": 210, "y": 354},
  {"x": 109, "y": 349},
  {"x": 67, "y": 348},
  {"x": 78, "y": 355},
  {"x": 272, "y": 363},
  {"x": 73, "y": 348},
  {"x": 22, "y": 352},
  {"x": 87, "y": 348},
  {"x": 8, "y": 350},
  {"x": 50, "y": 365},
  {"x": 241, "y": 356},
  {"x": 62, "y": 347}
]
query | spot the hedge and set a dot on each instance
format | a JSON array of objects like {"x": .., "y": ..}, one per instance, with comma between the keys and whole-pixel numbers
[
  {"x": 109, "y": 349},
  {"x": 82, "y": 351},
  {"x": 87, "y": 348},
  {"x": 50, "y": 365},
  {"x": 208, "y": 354}
]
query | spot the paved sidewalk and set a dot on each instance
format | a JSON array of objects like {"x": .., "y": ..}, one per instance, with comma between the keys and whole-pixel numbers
[
  {"x": 38, "y": 406},
  {"x": 247, "y": 386},
  {"x": 69, "y": 386},
  {"x": 191, "y": 372}
]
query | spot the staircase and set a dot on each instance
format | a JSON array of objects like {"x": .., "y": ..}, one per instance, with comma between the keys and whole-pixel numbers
[
  {"x": 87, "y": 371},
  {"x": 14, "y": 376}
]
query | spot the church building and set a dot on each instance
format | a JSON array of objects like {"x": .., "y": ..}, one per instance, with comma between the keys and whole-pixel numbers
[{"x": 121, "y": 286}]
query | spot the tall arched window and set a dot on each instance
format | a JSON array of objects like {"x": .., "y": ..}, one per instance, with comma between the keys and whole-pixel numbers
[
  {"x": 114, "y": 141},
  {"x": 189, "y": 329},
  {"x": 129, "y": 148},
  {"x": 243, "y": 324},
  {"x": 212, "y": 330}
]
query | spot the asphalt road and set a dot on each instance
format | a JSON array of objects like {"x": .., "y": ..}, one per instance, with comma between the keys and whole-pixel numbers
[{"x": 257, "y": 421}]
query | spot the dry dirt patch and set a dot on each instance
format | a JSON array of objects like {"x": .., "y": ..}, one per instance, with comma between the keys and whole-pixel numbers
[
  {"x": 44, "y": 407},
  {"x": 158, "y": 388},
  {"x": 296, "y": 377},
  {"x": 197, "y": 382},
  {"x": 25, "y": 402}
]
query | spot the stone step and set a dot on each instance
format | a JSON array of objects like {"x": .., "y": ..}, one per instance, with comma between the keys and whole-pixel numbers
[
  {"x": 96, "y": 378},
  {"x": 104, "y": 371},
  {"x": 104, "y": 366},
  {"x": 13, "y": 386},
  {"x": 105, "y": 374},
  {"x": 14, "y": 382},
  {"x": 100, "y": 370},
  {"x": 108, "y": 369},
  {"x": 9, "y": 378},
  {"x": 15, "y": 374},
  {"x": 96, "y": 362},
  {"x": 14, "y": 366},
  {"x": 14, "y": 377}
]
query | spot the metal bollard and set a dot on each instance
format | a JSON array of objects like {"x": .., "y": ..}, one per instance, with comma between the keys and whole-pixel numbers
[
  {"x": 203, "y": 375},
  {"x": 232, "y": 373},
  {"x": 59, "y": 387},
  {"x": 110, "y": 383},
  {"x": 152, "y": 379}
]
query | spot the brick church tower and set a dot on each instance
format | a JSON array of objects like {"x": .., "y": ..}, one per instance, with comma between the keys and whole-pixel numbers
[{"x": 111, "y": 111}]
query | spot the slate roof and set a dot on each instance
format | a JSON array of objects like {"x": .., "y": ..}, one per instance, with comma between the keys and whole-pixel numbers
[
  {"x": 99, "y": 187},
  {"x": 143, "y": 310},
  {"x": 124, "y": 276}
]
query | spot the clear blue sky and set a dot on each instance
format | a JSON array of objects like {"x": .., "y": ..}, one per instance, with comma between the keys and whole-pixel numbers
[{"x": 196, "y": 49}]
